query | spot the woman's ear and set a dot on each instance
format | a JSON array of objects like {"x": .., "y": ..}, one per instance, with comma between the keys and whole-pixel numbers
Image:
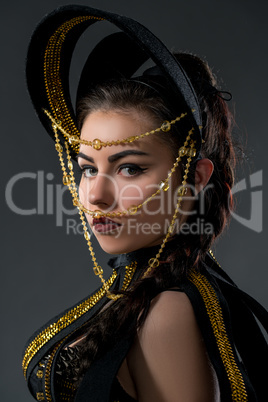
[{"x": 203, "y": 172}]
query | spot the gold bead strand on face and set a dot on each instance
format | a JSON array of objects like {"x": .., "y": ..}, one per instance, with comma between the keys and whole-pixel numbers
[
  {"x": 154, "y": 262},
  {"x": 70, "y": 182},
  {"x": 164, "y": 186},
  {"x": 68, "y": 179},
  {"x": 98, "y": 144},
  {"x": 98, "y": 271},
  {"x": 65, "y": 177}
]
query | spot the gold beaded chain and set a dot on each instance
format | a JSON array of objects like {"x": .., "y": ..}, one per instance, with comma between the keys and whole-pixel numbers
[
  {"x": 69, "y": 180},
  {"x": 98, "y": 144},
  {"x": 52, "y": 72},
  {"x": 154, "y": 262},
  {"x": 163, "y": 186}
]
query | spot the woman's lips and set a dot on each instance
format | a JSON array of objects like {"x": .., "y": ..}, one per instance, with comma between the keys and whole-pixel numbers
[{"x": 104, "y": 225}]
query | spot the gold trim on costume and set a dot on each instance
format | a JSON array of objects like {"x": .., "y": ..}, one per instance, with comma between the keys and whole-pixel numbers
[
  {"x": 215, "y": 315},
  {"x": 48, "y": 371},
  {"x": 130, "y": 270},
  {"x": 214, "y": 258},
  {"x": 72, "y": 315},
  {"x": 43, "y": 337}
]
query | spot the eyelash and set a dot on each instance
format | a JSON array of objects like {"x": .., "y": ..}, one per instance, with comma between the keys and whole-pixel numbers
[{"x": 138, "y": 169}]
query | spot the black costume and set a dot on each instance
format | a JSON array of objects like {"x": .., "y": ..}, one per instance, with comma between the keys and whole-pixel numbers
[{"x": 225, "y": 314}]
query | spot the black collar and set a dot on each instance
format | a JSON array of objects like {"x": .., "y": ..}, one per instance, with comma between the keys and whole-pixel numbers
[{"x": 142, "y": 256}]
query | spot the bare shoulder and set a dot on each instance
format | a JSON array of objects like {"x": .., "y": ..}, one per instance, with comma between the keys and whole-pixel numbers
[
  {"x": 170, "y": 324},
  {"x": 170, "y": 308},
  {"x": 168, "y": 360}
]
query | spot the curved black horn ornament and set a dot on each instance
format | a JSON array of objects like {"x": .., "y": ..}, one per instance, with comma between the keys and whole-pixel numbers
[{"x": 50, "y": 53}]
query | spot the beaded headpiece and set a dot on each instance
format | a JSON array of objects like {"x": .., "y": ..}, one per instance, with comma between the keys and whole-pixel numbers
[{"x": 117, "y": 55}]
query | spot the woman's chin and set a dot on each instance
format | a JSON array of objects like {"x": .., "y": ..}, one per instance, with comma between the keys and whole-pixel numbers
[
  {"x": 119, "y": 249},
  {"x": 123, "y": 244},
  {"x": 113, "y": 244}
]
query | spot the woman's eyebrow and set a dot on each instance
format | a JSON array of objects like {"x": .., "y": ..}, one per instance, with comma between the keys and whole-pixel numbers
[
  {"x": 84, "y": 156},
  {"x": 119, "y": 155},
  {"x": 115, "y": 157}
]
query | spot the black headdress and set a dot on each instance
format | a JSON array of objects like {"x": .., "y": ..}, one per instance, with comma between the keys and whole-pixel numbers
[{"x": 120, "y": 54}]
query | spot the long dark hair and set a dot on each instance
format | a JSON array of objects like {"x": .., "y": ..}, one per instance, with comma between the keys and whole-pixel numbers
[{"x": 218, "y": 146}]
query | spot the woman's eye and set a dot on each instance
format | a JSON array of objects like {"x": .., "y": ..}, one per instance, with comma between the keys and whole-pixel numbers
[
  {"x": 126, "y": 170},
  {"x": 131, "y": 170},
  {"x": 89, "y": 171}
]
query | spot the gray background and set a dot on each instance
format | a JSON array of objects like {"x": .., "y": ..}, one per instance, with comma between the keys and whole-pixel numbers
[{"x": 45, "y": 270}]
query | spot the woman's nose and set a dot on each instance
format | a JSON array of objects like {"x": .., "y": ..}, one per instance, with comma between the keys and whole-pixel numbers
[{"x": 100, "y": 191}]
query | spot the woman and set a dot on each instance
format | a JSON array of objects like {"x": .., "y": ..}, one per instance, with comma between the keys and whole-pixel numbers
[{"x": 157, "y": 164}]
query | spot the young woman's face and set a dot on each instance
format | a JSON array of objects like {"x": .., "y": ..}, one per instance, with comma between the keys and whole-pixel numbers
[{"x": 118, "y": 177}]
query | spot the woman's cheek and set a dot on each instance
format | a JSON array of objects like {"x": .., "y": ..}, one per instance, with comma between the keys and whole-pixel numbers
[
  {"x": 130, "y": 194},
  {"x": 84, "y": 191},
  {"x": 81, "y": 192}
]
